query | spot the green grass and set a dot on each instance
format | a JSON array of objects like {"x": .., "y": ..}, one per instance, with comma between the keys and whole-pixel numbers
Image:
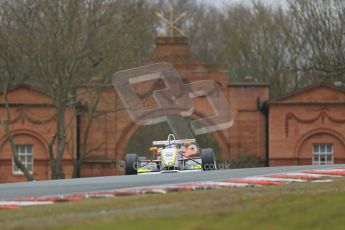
[{"x": 294, "y": 206}]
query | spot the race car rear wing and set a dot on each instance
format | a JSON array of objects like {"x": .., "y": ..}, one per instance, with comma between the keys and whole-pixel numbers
[{"x": 182, "y": 141}]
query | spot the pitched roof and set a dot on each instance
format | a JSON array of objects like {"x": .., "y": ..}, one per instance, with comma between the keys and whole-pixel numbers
[
  {"x": 296, "y": 95},
  {"x": 29, "y": 87}
]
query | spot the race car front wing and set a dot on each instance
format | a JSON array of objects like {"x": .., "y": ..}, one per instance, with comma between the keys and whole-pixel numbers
[{"x": 147, "y": 166}]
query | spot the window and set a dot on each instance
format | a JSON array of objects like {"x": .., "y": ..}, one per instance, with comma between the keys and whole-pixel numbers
[
  {"x": 322, "y": 154},
  {"x": 25, "y": 156}
]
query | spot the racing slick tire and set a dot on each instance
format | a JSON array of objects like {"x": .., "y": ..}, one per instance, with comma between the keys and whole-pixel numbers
[
  {"x": 208, "y": 159},
  {"x": 131, "y": 163},
  {"x": 141, "y": 158}
]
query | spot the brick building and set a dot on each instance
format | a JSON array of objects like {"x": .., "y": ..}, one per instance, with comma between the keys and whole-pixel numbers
[
  {"x": 302, "y": 127},
  {"x": 31, "y": 121},
  {"x": 246, "y": 136},
  {"x": 307, "y": 126}
]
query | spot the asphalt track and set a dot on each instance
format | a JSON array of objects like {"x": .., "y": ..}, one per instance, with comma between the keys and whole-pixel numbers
[{"x": 70, "y": 186}]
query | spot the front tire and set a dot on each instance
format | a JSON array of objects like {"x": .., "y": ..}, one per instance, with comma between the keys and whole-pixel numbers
[
  {"x": 208, "y": 159},
  {"x": 131, "y": 163}
]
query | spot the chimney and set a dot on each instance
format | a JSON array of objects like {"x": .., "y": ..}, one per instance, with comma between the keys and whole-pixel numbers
[{"x": 174, "y": 50}]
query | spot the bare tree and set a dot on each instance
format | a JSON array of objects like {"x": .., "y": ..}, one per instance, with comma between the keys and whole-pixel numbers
[
  {"x": 205, "y": 32},
  {"x": 255, "y": 43},
  {"x": 13, "y": 69},
  {"x": 318, "y": 38},
  {"x": 250, "y": 40},
  {"x": 68, "y": 42},
  {"x": 201, "y": 24}
]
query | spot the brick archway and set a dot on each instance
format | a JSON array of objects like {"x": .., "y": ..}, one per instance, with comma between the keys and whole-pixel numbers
[
  {"x": 311, "y": 133},
  {"x": 121, "y": 144},
  {"x": 31, "y": 133},
  {"x": 40, "y": 158}
]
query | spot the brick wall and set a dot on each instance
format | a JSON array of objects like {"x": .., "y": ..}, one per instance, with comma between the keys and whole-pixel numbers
[
  {"x": 31, "y": 123},
  {"x": 306, "y": 117}
]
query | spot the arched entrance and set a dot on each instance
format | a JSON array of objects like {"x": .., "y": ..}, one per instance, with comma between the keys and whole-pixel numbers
[{"x": 139, "y": 138}]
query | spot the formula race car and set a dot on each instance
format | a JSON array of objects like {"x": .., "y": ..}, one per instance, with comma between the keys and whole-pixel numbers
[{"x": 171, "y": 155}]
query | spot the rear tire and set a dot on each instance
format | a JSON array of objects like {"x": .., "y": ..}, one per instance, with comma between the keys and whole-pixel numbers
[
  {"x": 208, "y": 159},
  {"x": 142, "y": 158},
  {"x": 131, "y": 164}
]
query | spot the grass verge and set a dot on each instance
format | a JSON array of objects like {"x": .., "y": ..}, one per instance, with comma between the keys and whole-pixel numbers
[{"x": 293, "y": 206}]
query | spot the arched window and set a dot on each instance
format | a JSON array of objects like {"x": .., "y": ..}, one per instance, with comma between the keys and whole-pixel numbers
[
  {"x": 322, "y": 154},
  {"x": 25, "y": 156}
]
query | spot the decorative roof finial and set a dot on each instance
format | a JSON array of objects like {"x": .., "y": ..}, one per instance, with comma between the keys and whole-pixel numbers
[{"x": 172, "y": 22}]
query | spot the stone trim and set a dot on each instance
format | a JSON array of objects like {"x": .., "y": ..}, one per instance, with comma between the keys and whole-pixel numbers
[
  {"x": 321, "y": 116},
  {"x": 307, "y": 135}
]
